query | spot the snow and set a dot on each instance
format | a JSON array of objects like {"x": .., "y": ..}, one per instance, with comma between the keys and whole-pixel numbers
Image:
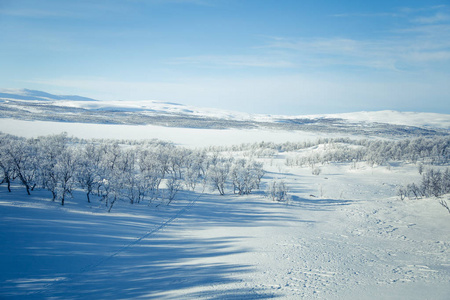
[
  {"x": 344, "y": 235},
  {"x": 189, "y": 137},
  {"x": 418, "y": 119}
]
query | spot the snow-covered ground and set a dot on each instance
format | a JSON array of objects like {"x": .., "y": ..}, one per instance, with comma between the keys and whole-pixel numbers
[
  {"x": 344, "y": 235},
  {"x": 188, "y": 137},
  {"x": 26, "y": 104},
  {"x": 419, "y": 119}
]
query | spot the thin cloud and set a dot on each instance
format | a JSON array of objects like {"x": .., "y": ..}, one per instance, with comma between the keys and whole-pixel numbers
[
  {"x": 423, "y": 42},
  {"x": 403, "y": 50},
  {"x": 411, "y": 10},
  {"x": 36, "y": 13},
  {"x": 192, "y": 2},
  {"x": 367, "y": 15},
  {"x": 439, "y": 13},
  {"x": 234, "y": 61},
  {"x": 436, "y": 18},
  {"x": 400, "y": 48}
]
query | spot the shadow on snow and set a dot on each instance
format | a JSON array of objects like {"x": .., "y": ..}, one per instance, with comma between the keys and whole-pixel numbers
[{"x": 63, "y": 254}]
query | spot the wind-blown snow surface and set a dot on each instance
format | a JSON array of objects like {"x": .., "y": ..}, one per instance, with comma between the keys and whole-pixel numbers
[{"x": 343, "y": 236}]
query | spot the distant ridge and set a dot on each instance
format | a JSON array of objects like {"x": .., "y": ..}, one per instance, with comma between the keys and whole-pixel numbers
[
  {"x": 34, "y": 95},
  {"x": 26, "y": 104}
]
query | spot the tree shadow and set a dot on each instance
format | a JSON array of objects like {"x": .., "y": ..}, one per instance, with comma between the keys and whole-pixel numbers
[
  {"x": 239, "y": 211},
  {"x": 318, "y": 204},
  {"x": 57, "y": 253}
]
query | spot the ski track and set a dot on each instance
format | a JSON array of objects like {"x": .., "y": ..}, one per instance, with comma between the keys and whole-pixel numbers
[{"x": 71, "y": 277}]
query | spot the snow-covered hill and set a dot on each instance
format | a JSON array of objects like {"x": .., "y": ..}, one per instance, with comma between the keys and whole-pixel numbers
[
  {"x": 33, "y": 95},
  {"x": 36, "y": 105}
]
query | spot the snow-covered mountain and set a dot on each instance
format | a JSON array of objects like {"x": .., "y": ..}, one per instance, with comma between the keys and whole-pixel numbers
[
  {"x": 27, "y": 104},
  {"x": 33, "y": 95}
]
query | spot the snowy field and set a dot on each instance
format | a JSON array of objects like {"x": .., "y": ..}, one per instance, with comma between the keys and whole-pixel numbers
[
  {"x": 187, "y": 137},
  {"x": 343, "y": 235}
]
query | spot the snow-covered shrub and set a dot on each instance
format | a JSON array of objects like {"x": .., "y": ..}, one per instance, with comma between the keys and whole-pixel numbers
[
  {"x": 277, "y": 190},
  {"x": 173, "y": 186},
  {"x": 246, "y": 176}
]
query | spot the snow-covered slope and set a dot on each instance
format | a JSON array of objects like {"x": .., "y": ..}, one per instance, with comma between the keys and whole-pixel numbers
[
  {"x": 344, "y": 235},
  {"x": 36, "y": 105},
  {"x": 419, "y": 119},
  {"x": 33, "y": 95}
]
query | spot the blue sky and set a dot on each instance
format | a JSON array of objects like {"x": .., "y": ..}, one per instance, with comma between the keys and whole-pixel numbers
[{"x": 260, "y": 56}]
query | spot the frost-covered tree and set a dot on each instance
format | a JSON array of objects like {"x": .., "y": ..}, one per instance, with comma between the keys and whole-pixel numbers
[
  {"x": 88, "y": 168},
  {"x": 194, "y": 169},
  {"x": 245, "y": 176},
  {"x": 65, "y": 170},
  {"x": 24, "y": 157},
  {"x": 434, "y": 183},
  {"x": 277, "y": 190},
  {"x": 445, "y": 181},
  {"x": 173, "y": 185},
  {"x": 7, "y": 170},
  {"x": 218, "y": 173},
  {"x": 152, "y": 171},
  {"x": 50, "y": 148}
]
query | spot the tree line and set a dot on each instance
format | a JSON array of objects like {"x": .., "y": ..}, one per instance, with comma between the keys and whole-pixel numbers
[
  {"x": 133, "y": 172},
  {"x": 434, "y": 183},
  {"x": 435, "y": 151}
]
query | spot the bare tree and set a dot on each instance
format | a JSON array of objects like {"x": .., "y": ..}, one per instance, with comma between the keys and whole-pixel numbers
[{"x": 444, "y": 204}]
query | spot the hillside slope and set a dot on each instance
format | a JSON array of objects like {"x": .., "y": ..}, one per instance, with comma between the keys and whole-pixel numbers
[{"x": 37, "y": 105}]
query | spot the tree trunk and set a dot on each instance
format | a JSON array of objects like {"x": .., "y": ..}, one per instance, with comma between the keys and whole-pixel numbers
[
  {"x": 8, "y": 183},
  {"x": 112, "y": 203}
]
